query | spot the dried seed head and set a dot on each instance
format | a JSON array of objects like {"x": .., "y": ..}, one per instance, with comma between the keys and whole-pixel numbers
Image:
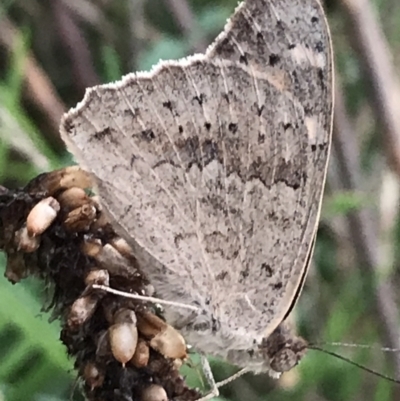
[
  {"x": 15, "y": 269},
  {"x": 122, "y": 247},
  {"x": 42, "y": 215},
  {"x": 101, "y": 221},
  {"x": 154, "y": 393},
  {"x": 123, "y": 339},
  {"x": 164, "y": 338},
  {"x": 113, "y": 261},
  {"x": 81, "y": 310},
  {"x": 73, "y": 198},
  {"x": 74, "y": 176},
  {"x": 80, "y": 219},
  {"x": 149, "y": 324},
  {"x": 169, "y": 343},
  {"x": 93, "y": 376},
  {"x": 141, "y": 355},
  {"x": 25, "y": 242},
  {"x": 91, "y": 247},
  {"x": 97, "y": 276},
  {"x": 125, "y": 316}
]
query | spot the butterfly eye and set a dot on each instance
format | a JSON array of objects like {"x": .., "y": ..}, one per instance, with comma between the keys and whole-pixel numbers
[{"x": 284, "y": 360}]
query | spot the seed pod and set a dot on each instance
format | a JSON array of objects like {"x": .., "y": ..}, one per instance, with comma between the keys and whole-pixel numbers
[
  {"x": 149, "y": 324},
  {"x": 15, "y": 268},
  {"x": 97, "y": 202},
  {"x": 122, "y": 247},
  {"x": 91, "y": 247},
  {"x": 154, "y": 393},
  {"x": 123, "y": 336},
  {"x": 101, "y": 221},
  {"x": 113, "y": 261},
  {"x": 141, "y": 356},
  {"x": 164, "y": 338},
  {"x": 42, "y": 215},
  {"x": 97, "y": 276},
  {"x": 82, "y": 309},
  {"x": 93, "y": 376},
  {"x": 25, "y": 242},
  {"x": 169, "y": 343},
  {"x": 73, "y": 198},
  {"x": 81, "y": 218},
  {"x": 57, "y": 180},
  {"x": 74, "y": 176}
]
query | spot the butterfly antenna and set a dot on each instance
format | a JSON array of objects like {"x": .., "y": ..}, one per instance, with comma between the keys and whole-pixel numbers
[
  {"x": 369, "y": 370},
  {"x": 352, "y": 345}
]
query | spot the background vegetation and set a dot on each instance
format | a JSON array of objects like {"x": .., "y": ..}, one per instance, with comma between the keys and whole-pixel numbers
[{"x": 51, "y": 50}]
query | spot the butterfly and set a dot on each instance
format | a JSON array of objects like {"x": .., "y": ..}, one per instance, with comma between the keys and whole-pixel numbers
[{"x": 213, "y": 167}]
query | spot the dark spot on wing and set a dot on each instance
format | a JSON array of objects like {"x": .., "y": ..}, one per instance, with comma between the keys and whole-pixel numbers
[
  {"x": 233, "y": 127},
  {"x": 210, "y": 151},
  {"x": 273, "y": 59},
  {"x": 266, "y": 269},
  {"x": 243, "y": 59},
  {"x": 200, "y": 99},
  {"x": 319, "y": 47},
  {"x": 99, "y": 135},
  {"x": 167, "y": 105},
  {"x": 148, "y": 135},
  {"x": 221, "y": 276},
  {"x": 244, "y": 274}
]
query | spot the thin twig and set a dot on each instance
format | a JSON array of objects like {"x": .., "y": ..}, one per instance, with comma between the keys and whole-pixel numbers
[
  {"x": 76, "y": 47},
  {"x": 376, "y": 60},
  {"x": 362, "y": 228},
  {"x": 39, "y": 88}
]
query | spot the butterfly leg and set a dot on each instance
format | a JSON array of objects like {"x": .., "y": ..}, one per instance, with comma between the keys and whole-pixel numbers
[{"x": 210, "y": 379}]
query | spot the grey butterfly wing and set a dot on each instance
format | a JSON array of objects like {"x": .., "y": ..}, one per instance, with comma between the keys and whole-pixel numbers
[{"x": 213, "y": 167}]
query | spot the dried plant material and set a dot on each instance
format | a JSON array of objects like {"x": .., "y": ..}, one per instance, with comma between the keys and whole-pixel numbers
[
  {"x": 97, "y": 276},
  {"x": 42, "y": 215},
  {"x": 92, "y": 376},
  {"x": 142, "y": 354},
  {"x": 81, "y": 218},
  {"x": 123, "y": 336},
  {"x": 122, "y": 247},
  {"x": 91, "y": 246},
  {"x": 150, "y": 324},
  {"x": 154, "y": 393},
  {"x": 15, "y": 268},
  {"x": 58, "y": 180},
  {"x": 112, "y": 260},
  {"x": 73, "y": 198},
  {"x": 170, "y": 343},
  {"x": 26, "y": 242},
  {"x": 81, "y": 310}
]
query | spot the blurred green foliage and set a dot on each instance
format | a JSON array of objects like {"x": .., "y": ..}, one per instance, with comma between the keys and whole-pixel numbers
[{"x": 113, "y": 36}]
